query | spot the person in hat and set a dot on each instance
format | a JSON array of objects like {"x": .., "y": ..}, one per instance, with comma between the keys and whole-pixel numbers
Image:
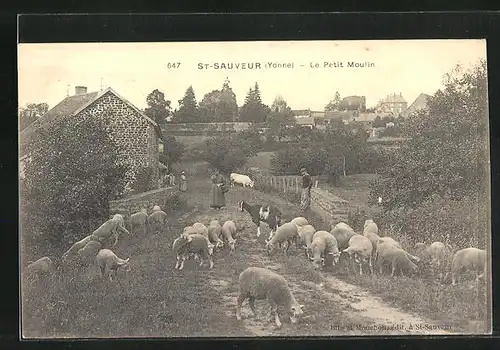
[
  {"x": 305, "y": 197},
  {"x": 183, "y": 185}
]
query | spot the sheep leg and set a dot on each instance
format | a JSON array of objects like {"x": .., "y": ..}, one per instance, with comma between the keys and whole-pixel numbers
[
  {"x": 116, "y": 239},
  {"x": 361, "y": 268},
  {"x": 211, "y": 261},
  {"x": 270, "y": 234},
  {"x": 182, "y": 263},
  {"x": 178, "y": 263},
  {"x": 371, "y": 266},
  {"x": 240, "y": 300},
  {"x": 258, "y": 230},
  {"x": 251, "y": 302},
  {"x": 393, "y": 269}
]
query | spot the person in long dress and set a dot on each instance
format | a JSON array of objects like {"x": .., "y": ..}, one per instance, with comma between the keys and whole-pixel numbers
[
  {"x": 305, "y": 198},
  {"x": 218, "y": 199},
  {"x": 183, "y": 185}
]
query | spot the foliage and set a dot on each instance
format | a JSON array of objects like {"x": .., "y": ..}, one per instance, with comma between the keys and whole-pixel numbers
[
  {"x": 324, "y": 152},
  {"x": 250, "y": 140},
  {"x": 219, "y": 105},
  {"x": 69, "y": 182},
  {"x": 188, "y": 111},
  {"x": 394, "y": 131},
  {"x": 143, "y": 181},
  {"x": 334, "y": 104},
  {"x": 173, "y": 151},
  {"x": 225, "y": 154},
  {"x": 446, "y": 153},
  {"x": 158, "y": 108},
  {"x": 30, "y": 113},
  {"x": 253, "y": 110},
  {"x": 280, "y": 119}
]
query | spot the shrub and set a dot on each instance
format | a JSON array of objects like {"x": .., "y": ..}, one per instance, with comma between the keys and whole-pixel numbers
[
  {"x": 143, "y": 181},
  {"x": 68, "y": 183},
  {"x": 224, "y": 154}
]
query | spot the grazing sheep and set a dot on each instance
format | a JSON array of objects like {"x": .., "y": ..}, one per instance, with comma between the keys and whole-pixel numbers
[
  {"x": 139, "y": 220},
  {"x": 42, "y": 266},
  {"x": 156, "y": 208},
  {"x": 157, "y": 220},
  {"x": 109, "y": 263},
  {"x": 256, "y": 283},
  {"x": 306, "y": 234},
  {"x": 468, "y": 259},
  {"x": 244, "y": 180},
  {"x": 361, "y": 247},
  {"x": 300, "y": 221},
  {"x": 110, "y": 228},
  {"x": 342, "y": 233},
  {"x": 198, "y": 246},
  {"x": 385, "y": 242},
  {"x": 90, "y": 250},
  {"x": 228, "y": 231},
  {"x": 344, "y": 225},
  {"x": 419, "y": 247},
  {"x": 76, "y": 247},
  {"x": 397, "y": 257},
  {"x": 268, "y": 214},
  {"x": 200, "y": 229},
  {"x": 214, "y": 232},
  {"x": 436, "y": 255},
  {"x": 285, "y": 233},
  {"x": 370, "y": 226},
  {"x": 373, "y": 237},
  {"x": 324, "y": 245}
]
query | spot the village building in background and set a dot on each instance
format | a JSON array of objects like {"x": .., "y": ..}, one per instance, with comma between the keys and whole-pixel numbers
[{"x": 138, "y": 136}]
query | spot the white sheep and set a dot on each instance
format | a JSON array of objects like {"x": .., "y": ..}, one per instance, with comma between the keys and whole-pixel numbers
[
  {"x": 197, "y": 246},
  {"x": 244, "y": 180},
  {"x": 42, "y": 266},
  {"x": 361, "y": 247},
  {"x": 324, "y": 246},
  {"x": 76, "y": 247},
  {"x": 373, "y": 237},
  {"x": 468, "y": 259},
  {"x": 256, "y": 283},
  {"x": 109, "y": 263},
  {"x": 397, "y": 257},
  {"x": 228, "y": 232},
  {"x": 300, "y": 221},
  {"x": 392, "y": 242},
  {"x": 214, "y": 233},
  {"x": 156, "y": 208},
  {"x": 157, "y": 220},
  {"x": 436, "y": 255},
  {"x": 370, "y": 226},
  {"x": 285, "y": 233},
  {"x": 90, "y": 250},
  {"x": 110, "y": 228},
  {"x": 306, "y": 234},
  {"x": 139, "y": 220},
  {"x": 342, "y": 233}
]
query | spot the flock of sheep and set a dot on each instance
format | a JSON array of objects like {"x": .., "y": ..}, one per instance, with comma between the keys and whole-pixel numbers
[
  {"x": 322, "y": 248},
  {"x": 98, "y": 244}
]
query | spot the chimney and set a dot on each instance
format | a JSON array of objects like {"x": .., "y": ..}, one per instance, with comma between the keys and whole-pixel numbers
[{"x": 80, "y": 90}]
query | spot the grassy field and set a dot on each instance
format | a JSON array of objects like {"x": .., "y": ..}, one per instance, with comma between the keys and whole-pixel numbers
[{"x": 155, "y": 300}]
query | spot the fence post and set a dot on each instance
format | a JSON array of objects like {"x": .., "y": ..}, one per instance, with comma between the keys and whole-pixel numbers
[
  {"x": 297, "y": 184},
  {"x": 285, "y": 183}
]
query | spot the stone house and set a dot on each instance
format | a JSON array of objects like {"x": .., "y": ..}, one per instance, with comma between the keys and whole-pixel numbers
[
  {"x": 393, "y": 103},
  {"x": 138, "y": 136}
]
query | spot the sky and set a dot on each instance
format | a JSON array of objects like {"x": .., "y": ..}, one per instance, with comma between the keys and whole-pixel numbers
[{"x": 47, "y": 72}]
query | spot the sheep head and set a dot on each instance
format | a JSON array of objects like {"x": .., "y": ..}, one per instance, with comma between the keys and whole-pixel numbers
[{"x": 296, "y": 311}]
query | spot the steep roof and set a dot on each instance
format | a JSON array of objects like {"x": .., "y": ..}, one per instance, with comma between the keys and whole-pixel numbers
[
  {"x": 71, "y": 106},
  {"x": 419, "y": 103}
]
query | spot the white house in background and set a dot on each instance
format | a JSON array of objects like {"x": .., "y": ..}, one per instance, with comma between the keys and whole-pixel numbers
[{"x": 420, "y": 103}]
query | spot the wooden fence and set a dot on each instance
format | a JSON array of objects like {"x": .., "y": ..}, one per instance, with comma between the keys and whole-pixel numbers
[{"x": 285, "y": 184}]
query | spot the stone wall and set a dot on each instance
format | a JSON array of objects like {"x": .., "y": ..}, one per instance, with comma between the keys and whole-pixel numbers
[
  {"x": 206, "y": 129},
  {"x": 330, "y": 203},
  {"x": 132, "y": 132},
  {"x": 145, "y": 200}
]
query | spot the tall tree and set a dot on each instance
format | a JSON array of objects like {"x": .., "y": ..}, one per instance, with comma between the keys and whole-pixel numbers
[
  {"x": 159, "y": 108},
  {"x": 253, "y": 110},
  {"x": 280, "y": 119},
  {"x": 219, "y": 105},
  {"x": 333, "y": 105},
  {"x": 30, "y": 113},
  {"x": 188, "y": 111}
]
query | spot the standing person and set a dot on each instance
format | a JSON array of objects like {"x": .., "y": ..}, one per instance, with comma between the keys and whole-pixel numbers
[
  {"x": 218, "y": 190},
  {"x": 183, "y": 184},
  {"x": 305, "y": 197}
]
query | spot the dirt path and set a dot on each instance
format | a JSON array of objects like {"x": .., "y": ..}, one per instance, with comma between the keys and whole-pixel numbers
[{"x": 332, "y": 307}]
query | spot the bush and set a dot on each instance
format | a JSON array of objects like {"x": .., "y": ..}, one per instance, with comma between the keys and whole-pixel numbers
[
  {"x": 224, "y": 154},
  {"x": 194, "y": 154},
  {"x": 68, "y": 183},
  {"x": 143, "y": 180}
]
